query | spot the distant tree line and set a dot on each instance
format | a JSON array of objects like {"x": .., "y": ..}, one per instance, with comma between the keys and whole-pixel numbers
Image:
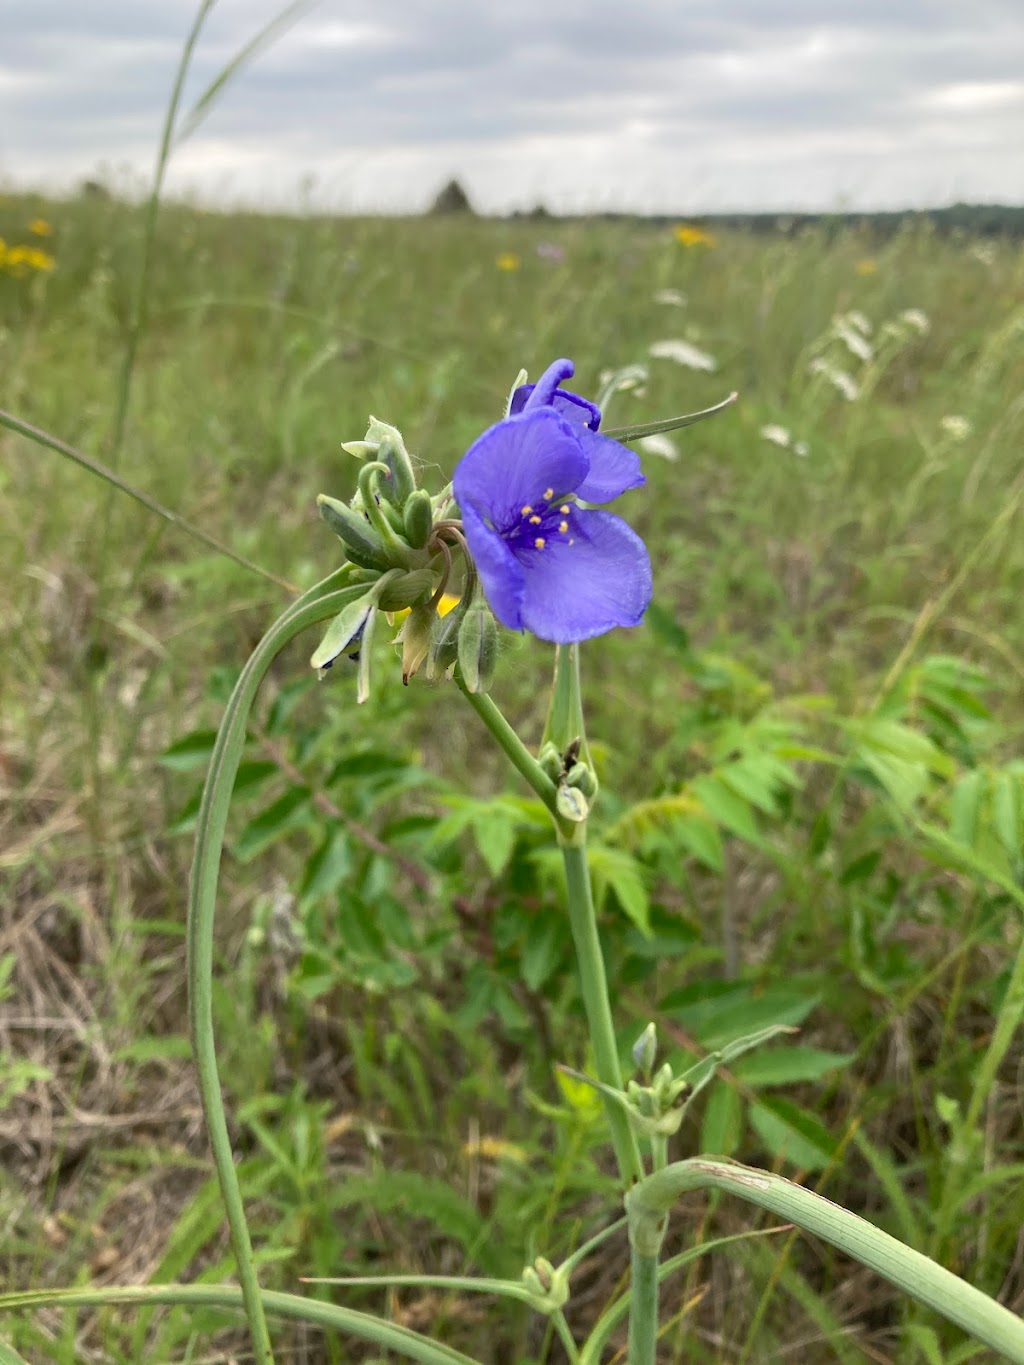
[{"x": 975, "y": 220}]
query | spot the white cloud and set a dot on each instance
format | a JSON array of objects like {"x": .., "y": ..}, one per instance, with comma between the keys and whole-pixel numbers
[{"x": 655, "y": 106}]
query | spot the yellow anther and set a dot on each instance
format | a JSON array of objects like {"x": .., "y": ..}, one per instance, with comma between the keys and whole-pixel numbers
[
  {"x": 563, "y": 526},
  {"x": 548, "y": 494},
  {"x": 539, "y": 543},
  {"x": 536, "y": 521},
  {"x": 564, "y": 509},
  {"x": 525, "y": 511}
]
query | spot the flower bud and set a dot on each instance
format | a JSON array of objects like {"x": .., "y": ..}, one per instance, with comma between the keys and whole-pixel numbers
[
  {"x": 392, "y": 452},
  {"x": 582, "y": 776},
  {"x": 418, "y": 518},
  {"x": 407, "y": 590},
  {"x": 645, "y": 1050},
  {"x": 571, "y": 804},
  {"x": 478, "y": 646},
  {"x": 550, "y": 760},
  {"x": 415, "y": 637},
  {"x": 362, "y": 543},
  {"x": 444, "y": 642}
]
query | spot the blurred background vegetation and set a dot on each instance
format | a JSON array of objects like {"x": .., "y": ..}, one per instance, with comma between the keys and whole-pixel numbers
[{"x": 812, "y": 809}]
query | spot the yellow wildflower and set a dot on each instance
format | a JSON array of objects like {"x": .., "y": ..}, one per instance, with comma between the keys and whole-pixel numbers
[
  {"x": 495, "y": 1149},
  {"x": 687, "y": 234},
  {"x": 868, "y": 266},
  {"x": 19, "y": 258},
  {"x": 508, "y": 260},
  {"x": 39, "y": 227},
  {"x": 448, "y": 601}
]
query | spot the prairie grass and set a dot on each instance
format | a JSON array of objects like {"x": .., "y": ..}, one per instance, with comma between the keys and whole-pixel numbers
[{"x": 395, "y": 1101}]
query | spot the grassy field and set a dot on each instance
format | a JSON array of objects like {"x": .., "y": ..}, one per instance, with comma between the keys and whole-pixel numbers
[{"x": 812, "y": 809}]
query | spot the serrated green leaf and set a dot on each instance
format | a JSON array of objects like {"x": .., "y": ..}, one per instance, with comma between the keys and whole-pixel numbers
[
  {"x": 542, "y": 950},
  {"x": 1006, "y": 813},
  {"x": 614, "y": 870},
  {"x": 791, "y": 1133},
  {"x": 189, "y": 752},
  {"x": 722, "y": 1125},
  {"x": 329, "y": 866},
  {"x": 905, "y": 782},
  {"x": 883, "y": 736},
  {"x": 279, "y": 818},
  {"x": 716, "y": 1012},
  {"x": 788, "y": 1065},
  {"x": 754, "y": 779},
  {"x": 154, "y": 1049},
  {"x": 702, "y": 838},
  {"x": 730, "y": 811}
]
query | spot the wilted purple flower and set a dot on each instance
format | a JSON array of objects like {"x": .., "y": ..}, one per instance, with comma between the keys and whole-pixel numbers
[{"x": 546, "y": 564}]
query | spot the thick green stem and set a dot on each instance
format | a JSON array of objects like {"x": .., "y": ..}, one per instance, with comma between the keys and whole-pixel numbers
[
  {"x": 594, "y": 986},
  {"x": 923, "y": 1279},
  {"x": 643, "y": 1309},
  {"x": 323, "y": 601}
]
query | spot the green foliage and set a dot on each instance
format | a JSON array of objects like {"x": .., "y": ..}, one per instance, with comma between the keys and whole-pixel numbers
[{"x": 810, "y": 810}]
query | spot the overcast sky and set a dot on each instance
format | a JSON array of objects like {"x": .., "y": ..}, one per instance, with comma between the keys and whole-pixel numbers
[{"x": 675, "y": 106}]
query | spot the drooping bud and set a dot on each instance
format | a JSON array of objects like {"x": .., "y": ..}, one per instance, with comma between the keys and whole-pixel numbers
[
  {"x": 444, "y": 642},
  {"x": 362, "y": 543},
  {"x": 415, "y": 637},
  {"x": 418, "y": 518},
  {"x": 478, "y": 646},
  {"x": 346, "y": 628}
]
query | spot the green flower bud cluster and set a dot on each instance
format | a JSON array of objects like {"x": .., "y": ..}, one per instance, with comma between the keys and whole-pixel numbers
[
  {"x": 653, "y": 1107},
  {"x": 575, "y": 780},
  {"x": 398, "y": 541},
  {"x": 548, "y": 1285}
]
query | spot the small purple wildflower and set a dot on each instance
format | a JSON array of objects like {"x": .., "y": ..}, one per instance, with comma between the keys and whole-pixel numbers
[{"x": 564, "y": 572}]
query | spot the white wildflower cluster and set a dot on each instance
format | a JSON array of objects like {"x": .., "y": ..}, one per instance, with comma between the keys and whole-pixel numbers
[
  {"x": 683, "y": 353},
  {"x": 957, "y": 428},
  {"x": 671, "y": 298},
  {"x": 779, "y": 436},
  {"x": 841, "y": 380},
  {"x": 659, "y": 444},
  {"x": 853, "y": 330}
]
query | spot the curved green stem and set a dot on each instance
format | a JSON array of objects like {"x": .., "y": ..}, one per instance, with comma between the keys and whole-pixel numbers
[
  {"x": 388, "y": 1336},
  {"x": 511, "y": 745},
  {"x": 917, "y": 1275},
  {"x": 324, "y": 600}
]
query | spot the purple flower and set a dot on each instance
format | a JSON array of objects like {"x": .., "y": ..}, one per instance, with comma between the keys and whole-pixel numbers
[{"x": 546, "y": 564}]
